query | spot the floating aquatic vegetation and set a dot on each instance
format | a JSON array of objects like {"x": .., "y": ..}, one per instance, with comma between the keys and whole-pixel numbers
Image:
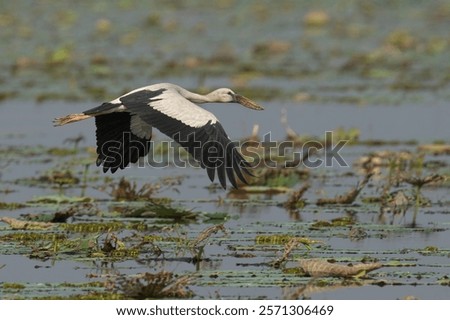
[
  {"x": 357, "y": 233},
  {"x": 399, "y": 201},
  {"x": 13, "y": 286},
  {"x": 429, "y": 250},
  {"x": 280, "y": 239},
  {"x": 322, "y": 268},
  {"x": 400, "y": 168},
  {"x": 59, "y": 291},
  {"x": 61, "y": 215},
  {"x": 161, "y": 211},
  {"x": 351, "y": 135},
  {"x": 271, "y": 48},
  {"x": 419, "y": 182},
  {"x": 32, "y": 237},
  {"x": 206, "y": 233},
  {"x": 126, "y": 190},
  {"x": 401, "y": 39},
  {"x": 291, "y": 245},
  {"x": 59, "y": 177},
  {"x": 59, "y": 248},
  {"x": 59, "y": 199},
  {"x": 103, "y": 26},
  {"x": 216, "y": 216},
  {"x": 390, "y": 159},
  {"x": 61, "y": 152},
  {"x": 396, "y": 202},
  {"x": 114, "y": 247},
  {"x": 435, "y": 149},
  {"x": 153, "y": 239},
  {"x": 197, "y": 246},
  {"x": 295, "y": 200},
  {"x": 337, "y": 222},
  {"x": 11, "y": 205},
  {"x": 262, "y": 189},
  {"x": 277, "y": 177},
  {"x": 26, "y": 225},
  {"x": 94, "y": 227},
  {"x": 316, "y": 19},
  {"x": 347, "y": 198}
]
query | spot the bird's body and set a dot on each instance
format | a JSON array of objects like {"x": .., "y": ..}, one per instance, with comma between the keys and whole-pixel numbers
[{"x": 124, "y": 128}]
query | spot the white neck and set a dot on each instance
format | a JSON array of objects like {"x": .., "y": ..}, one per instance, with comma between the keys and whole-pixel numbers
[{"x": 194, "y": 97}]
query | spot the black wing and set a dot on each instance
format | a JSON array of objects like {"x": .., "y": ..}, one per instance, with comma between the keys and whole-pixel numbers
[{"x": 117, "y": 145}]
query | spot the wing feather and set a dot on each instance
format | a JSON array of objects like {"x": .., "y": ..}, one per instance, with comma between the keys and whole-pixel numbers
[{"x": 117, "y": 146}]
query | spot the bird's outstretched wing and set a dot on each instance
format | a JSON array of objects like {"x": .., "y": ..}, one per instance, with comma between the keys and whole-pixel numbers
[
  {"x": 122, "y": 137},
  {"x": 194, "y": 128},
  {"x": 117, "y": 145}
]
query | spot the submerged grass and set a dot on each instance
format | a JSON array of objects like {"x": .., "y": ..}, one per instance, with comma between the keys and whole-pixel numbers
[{"x": 11, "y": 205}]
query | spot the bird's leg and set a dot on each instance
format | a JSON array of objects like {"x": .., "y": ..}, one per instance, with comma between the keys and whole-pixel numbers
[{"x": 74, "y": 117}]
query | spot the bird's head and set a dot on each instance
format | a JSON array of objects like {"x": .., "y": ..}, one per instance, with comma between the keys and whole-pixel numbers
[{"x": 228, "y": 95}]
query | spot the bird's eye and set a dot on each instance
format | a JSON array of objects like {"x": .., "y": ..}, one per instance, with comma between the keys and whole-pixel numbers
[{"x": 230, "y": 93}]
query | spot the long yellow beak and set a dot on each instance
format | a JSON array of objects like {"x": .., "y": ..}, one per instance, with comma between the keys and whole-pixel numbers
[{"x": 246, "y": 102}]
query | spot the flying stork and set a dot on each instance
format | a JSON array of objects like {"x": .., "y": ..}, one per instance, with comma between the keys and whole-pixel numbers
[{"x": 124, "y": 128}]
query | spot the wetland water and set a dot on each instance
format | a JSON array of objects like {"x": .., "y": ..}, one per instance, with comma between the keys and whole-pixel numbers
[{"x": 380, "y": 81}]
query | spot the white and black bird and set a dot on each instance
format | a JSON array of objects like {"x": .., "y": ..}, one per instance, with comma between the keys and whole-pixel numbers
[{"x": 124, "y": 128}]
